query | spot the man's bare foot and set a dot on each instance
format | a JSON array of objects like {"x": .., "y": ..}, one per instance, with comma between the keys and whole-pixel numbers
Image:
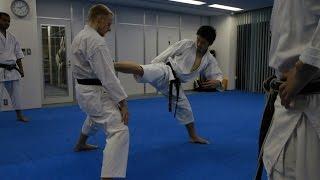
[
  {"x": 198, "y": 140},
  {"x": 85, "y": 147},
  {"x": 22, "y": 119}
]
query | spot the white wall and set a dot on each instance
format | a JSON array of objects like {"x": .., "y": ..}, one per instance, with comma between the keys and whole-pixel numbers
[
  {"x": 225, "y": 46},
  {"x": 138, "y": 35},
  {"x": 130, "y": 44},
  {"x": 141, "y": 34},
  {"x": 25, "y": 30},
  {"x": 135, "y": 36}
]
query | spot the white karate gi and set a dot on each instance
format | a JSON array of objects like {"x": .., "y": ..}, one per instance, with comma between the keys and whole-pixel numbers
[
  {"x": 292, "y": 147},
  {"x": 10, "y": 52},
  {"x": 182, "y": 56},
  {"x": 91, "y": 60}
]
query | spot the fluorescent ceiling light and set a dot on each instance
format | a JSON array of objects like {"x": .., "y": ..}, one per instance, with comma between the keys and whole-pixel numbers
[
  {"x": 225, "y": 7},
  {"x": 189, "y": 2}
]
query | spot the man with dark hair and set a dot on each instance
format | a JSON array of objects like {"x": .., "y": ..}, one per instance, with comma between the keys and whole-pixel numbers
[
  {"x": 180, "y": 63},
  {"x": 4, "y": 14},
  {"x": 11, "y": 69},
  {"x": 208, "y": 33},
  {"x": 100, "y": 94}
]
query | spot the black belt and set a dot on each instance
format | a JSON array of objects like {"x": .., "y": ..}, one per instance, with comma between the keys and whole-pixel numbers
[
  {"x": 177, "y": 84},
  {"x": 271, "y": 86},
  {"x": 95, "y": 82},
  {"x": 10, "y": 67},
  {"x": 311, "y": 88},
  {"x": 272, "y": 92}
]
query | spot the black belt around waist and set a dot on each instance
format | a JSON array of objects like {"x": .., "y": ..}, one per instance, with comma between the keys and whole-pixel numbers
[
  {"x": 177, "y": 84},
  {"x": 271, "y": 86},
  {"x": 311, "y": 88},
  {"x": 10, "y": 67},
  {"x": 95, "y": 82}
]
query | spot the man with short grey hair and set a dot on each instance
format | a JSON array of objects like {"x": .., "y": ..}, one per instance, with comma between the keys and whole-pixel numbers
[{"x": 100, "y": 94}]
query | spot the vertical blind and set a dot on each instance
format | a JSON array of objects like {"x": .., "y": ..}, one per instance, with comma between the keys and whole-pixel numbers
[{"x": 253, "y": 43}]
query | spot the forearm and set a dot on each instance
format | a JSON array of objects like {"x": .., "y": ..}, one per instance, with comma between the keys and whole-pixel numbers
[
  {"x": 306, "y": 72},
  {"x": 123, "y": 103},
  {"x": 211, "y": 83},
  {"x": 128, "y": 67},
  {"x": 295, "y": 80},
  {"x": 20, "y": 66},
  {"x": 19, "y": 63}
]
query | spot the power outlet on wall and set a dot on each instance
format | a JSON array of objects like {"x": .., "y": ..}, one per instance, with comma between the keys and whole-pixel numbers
[{"x": 5, "y": 102}]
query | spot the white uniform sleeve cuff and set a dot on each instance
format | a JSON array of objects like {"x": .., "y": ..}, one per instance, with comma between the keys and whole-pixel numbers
[
  {"x": 119, "y": 98},
  {"x": 20, "y": 55}
]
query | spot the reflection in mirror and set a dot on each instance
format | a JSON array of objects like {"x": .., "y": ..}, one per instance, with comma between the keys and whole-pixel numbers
[{"x": 54, "y": 61}]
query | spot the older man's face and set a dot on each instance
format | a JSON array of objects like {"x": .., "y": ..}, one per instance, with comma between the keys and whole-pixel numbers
[
  {"x": 4, "y": 22},
  {"x": 104, "y": 24}
]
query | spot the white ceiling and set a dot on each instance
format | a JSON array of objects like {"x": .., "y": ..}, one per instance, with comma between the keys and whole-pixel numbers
[{"x": 191, "y": 9}]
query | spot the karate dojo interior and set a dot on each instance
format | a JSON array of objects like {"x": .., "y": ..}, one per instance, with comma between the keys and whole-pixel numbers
[{"x": 159, "y": 147}]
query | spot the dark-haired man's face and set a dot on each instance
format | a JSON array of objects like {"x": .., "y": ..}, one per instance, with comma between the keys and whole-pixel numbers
[
  {"x": 202, "y": 44},
  {"x": 4, "y": 22}
]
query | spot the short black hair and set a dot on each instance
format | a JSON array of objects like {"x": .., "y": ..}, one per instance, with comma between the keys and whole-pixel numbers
[
  {"x": 208, "y": 33},
  {"x": 4, "y": 14}
]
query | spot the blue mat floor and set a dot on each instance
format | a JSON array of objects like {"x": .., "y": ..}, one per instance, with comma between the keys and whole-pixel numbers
[{"x": 159, "y": 148}]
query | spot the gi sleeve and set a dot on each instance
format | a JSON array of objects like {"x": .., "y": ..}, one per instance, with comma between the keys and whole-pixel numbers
[
  {"x": 212, "y": 70},
  {"x": 102, "y": 65},
  {"x": 311, "y": 54},
  {"x": 171, "y": 51},
  {"x": 17, "y": 50}
]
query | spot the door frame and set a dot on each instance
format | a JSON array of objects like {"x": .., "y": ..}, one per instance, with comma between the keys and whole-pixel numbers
[{"x": 61, "y": 22}]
